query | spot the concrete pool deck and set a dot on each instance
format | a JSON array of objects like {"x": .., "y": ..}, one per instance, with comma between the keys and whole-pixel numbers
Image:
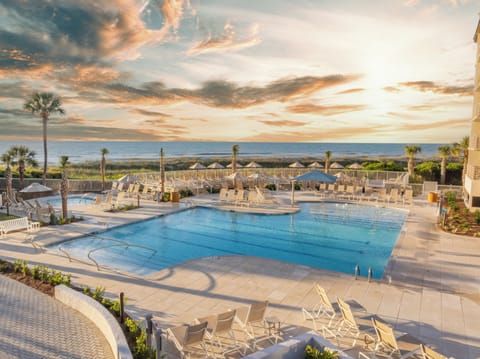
[{"x": 432, "y": 290}]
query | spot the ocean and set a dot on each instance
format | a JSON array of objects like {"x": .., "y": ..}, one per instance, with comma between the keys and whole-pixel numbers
[{"x": 79, "y": 151}]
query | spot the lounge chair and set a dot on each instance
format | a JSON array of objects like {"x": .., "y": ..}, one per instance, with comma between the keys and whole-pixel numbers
[
  {"x": 222, "y": 196},
  {"x": 404, "y": 346},
  {"x": 429, "y": 353},
  {"x": 349, "y": 328},
  {"x": 188, "y": 339},
  {"x": 323, "y": 308},
  {"x": 108, "y": 202},
  {"x": 220, "y": 333},
  {"x": 408, "y": 197},
  {"x": 393, "y": 195},
  {"x": 252, "y": 321}
]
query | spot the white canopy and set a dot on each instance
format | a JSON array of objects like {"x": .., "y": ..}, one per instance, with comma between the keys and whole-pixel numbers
[
  {"x": 197, "y": 166},
  {"x": 35, "y": 187}
]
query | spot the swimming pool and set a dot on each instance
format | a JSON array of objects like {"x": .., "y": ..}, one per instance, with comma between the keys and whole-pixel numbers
[
  {"x": 335, "y": 236},
  {"x": 76, "y": 199}
]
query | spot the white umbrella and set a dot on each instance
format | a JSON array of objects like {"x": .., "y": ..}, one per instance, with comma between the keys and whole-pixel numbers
[
  {"x": 235, "y": 177},
  {"x": 197, "y": 166},
  {"x": 238, "y": 165},
  {"x": 296, "y": 165},
  {"x": 315, "y": 165},
  {"x": 35, "y": 187},
  {"x": 336, "y": 165},
  {"x": 356, "y": 166},
  {"x": 215, "y": 165},
  {"x": 253, "y": 164}
]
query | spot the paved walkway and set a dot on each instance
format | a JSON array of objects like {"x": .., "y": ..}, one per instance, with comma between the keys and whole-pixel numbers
[
  {"x": 36, "y": 326},
  {"x": 430, "y": 288}
]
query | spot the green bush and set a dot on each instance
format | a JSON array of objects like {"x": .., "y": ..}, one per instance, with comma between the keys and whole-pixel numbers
[
  {"x": 383, "y": 166},
  {"x": 98, "y": 293},
  {"x": 429, "y": 170},
  {"x": 312, "y": 352},
  {"x": 477, "y": 216}
]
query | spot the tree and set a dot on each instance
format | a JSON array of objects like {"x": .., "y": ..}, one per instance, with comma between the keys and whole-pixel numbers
[
  {"x": 445, "y": 152},
  {"x": 21, "y": 157},
  {"x": 44, "y": 104},
  {"x": 411, "y": 151},
  {"x": 7, "y": 159},
  {"x": 235, "y": 149},
  {"x": 103, "y": 164},
  {"x": 328, "y": 157},
  {"x": 459, "y": 149},
  {"x": 64, "y": 186}
]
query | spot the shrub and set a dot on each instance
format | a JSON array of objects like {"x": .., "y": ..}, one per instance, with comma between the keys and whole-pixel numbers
[
  {"x": 477, "y": 216},
  {"x": 98, "y": 293},
  {"x": 314, "y": 353}
]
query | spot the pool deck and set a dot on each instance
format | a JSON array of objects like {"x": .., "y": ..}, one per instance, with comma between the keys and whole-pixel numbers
[{"x": 431, "y": 288}]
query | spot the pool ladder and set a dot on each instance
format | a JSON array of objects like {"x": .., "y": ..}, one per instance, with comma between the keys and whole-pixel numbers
[{"x": 369, "y": 272}]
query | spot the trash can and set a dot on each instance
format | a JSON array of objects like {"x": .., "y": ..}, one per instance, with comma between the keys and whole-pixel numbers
[
  {"x": 174, "y": 196},
  {"x": 432, "y": 197}
]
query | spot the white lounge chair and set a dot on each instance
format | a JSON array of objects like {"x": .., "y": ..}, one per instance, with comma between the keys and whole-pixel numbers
[
  {"x": 221, "y": 335},
  {"x": 323, "y": 308},
  {"x": 252, "y": 321},
  {"x": 187, "y": 340}
]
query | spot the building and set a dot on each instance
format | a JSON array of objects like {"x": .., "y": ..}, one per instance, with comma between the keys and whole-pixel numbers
[{"x": 472, "y": 176}]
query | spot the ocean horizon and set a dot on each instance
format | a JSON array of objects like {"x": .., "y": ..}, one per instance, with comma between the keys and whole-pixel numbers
[{"x": 81, "y": 151}]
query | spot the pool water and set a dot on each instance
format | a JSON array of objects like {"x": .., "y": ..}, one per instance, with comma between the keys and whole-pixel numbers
[
  {"x": 335, "y": 236},
  {"x": 56, "y": 201}
]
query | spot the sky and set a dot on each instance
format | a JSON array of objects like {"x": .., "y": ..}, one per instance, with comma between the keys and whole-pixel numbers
[{"x": 239, "y": 70}]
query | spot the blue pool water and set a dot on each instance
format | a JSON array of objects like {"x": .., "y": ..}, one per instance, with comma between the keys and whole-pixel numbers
[
  {"x": 335, "y": 236},
  {"x": 56, "y": 201}
]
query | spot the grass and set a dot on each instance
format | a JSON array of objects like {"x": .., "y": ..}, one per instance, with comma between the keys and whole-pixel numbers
[{"x": 4, "y": 217}]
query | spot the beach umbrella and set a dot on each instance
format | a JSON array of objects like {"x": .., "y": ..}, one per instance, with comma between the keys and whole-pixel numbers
[
  {"x": 296, "y": 165},
  {"x": 315, "y": 165},
  {"x": 36, "y": 187},
  {"x": 216, "y": 166},
  {"x": 253, "y": 164},
  {"x": 356, "y": 166},
  {"x": 197, "y": 166},
  {"x": 238, "y": 165},
  {"x": 316, "y": 176},
  {"x": 235, "y": 177},
  {"x": 336, "y": 165}
]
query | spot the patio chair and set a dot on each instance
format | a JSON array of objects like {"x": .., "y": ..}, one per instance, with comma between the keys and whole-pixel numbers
[
  {"x": 188, "y": 339},
  {"x": 220, "y": 333},
  {"x": 323, "y": 308},
  {"x": 408, "y": 197},
  {"x": 429, "y": 353},
  {"x": 251, "y": 319},
  {"x": 393, "y": 195},
  {"x": 404, "y": 346},
  {"x": 222, "y": 196}
]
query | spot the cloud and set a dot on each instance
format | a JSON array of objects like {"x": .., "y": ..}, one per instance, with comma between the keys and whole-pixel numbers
[
  {"x": 149, "y": 113},
  {"x": 354, "y": 90},
  {"x": 65, "y": 33},
  {"x": 221, "y": 94},
  {"x": 391, "y": 89},
  {"x": 225, "y": 41},
  {"x": 446, "y": 124},
  {"x": 344, "y": 133},
  {"x": 324, "y": 110},
  {"x": 282, "y": 123},
  {"x": 430, "y": 86}
]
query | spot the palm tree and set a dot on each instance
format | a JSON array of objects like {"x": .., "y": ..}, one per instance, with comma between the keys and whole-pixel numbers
[
  {"x": 459, "y": 149},
  {"x": 411, "y": 151},
  {"x": 328, "y": 156},
  {"x": 23, "y": 156},
  {"x": 64, "y": 186},
  {"x": 103, "y": 163},
  {"x": 162, "y": 174},
  {"x": 44, "y": 104},
  {"x": 7, "y": 159},
  {"x": 445, "y": 152},
  {"x": 235, "y": 149}
]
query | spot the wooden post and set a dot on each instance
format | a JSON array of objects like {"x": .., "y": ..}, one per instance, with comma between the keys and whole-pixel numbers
[{"x": 122, "y": 308}]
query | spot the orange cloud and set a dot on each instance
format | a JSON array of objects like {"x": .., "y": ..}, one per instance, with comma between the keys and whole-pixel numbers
[
  {"x": 324, "y": 110},
  {"x": 282, "y": 123},
  {"x": 447, "y": 124},
  {"x": 351, "y": 91},
  {"x": 430, "y": 86}
]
